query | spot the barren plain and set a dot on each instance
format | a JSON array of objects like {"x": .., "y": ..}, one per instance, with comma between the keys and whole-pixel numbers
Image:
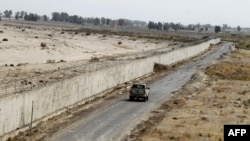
[{"x": 28, "y": 50}]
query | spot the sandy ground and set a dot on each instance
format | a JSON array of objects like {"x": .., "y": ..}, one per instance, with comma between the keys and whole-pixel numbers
[
  {"x": 24, "y": 45},
  {"x": 218, "y": 95},
  {"x": 32, "y": 50}
]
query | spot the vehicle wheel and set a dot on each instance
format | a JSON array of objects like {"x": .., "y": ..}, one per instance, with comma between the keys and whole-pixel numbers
[
  {"x": 147, "y": 97},
  {"x": 131, "y": 98}
]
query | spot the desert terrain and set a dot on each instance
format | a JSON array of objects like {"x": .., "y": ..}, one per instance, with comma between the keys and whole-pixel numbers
[
  {"x": 32, "y": 55},
  {"x": 216, "y": 95},
  {"x": 39, "y": 47}
]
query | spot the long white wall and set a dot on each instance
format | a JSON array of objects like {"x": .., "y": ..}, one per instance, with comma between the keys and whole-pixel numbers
[{"x": 15, "y": 110}]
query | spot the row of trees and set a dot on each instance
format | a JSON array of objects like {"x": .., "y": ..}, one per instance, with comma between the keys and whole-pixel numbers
[
  {"x": 8, "y": 13},
  {"x": 177, "y": 26},
  {"x": 23, "y": 15},
  {"x": 65, "y": 17}
]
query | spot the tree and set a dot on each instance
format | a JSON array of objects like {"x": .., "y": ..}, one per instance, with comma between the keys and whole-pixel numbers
[
  {"x": 55, "y": 16},
  {"x": 103, "y": 21},
  {"x": 238, "y": 28},
  {"x": 217, "y": 29},
  {"x": 159, "y": 26},
  {"x": 31, "y": 17},
  {"x": 166, "y": 26},
  {"x": 22, "y": 13},
  {"x": 8, "y": 13},
  {"x": 121, "y": 22},
  {"x": 97, "y": 21},
  {"x": 1, "y": 16},
  {"x": 73, "y": 19},
  {"x": 64, "y": 17},
  {"x": 108, "y": 21},
  {"x": 45, "y": 18},
  {"x": 17, "y": 15},
  {"x": 151, "y": 25}
]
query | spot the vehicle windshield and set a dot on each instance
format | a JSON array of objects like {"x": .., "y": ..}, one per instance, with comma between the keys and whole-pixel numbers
[{"x": 138, "y": 86}]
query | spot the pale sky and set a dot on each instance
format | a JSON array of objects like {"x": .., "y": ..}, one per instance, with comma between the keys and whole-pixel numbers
[{"x": 215, "y": 12}]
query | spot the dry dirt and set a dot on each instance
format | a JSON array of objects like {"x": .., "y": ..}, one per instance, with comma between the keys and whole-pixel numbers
[
  {"x": 217, "y": 95},
  {"x": 31, "y": 50},
  {"x": 32, "y": 56}
]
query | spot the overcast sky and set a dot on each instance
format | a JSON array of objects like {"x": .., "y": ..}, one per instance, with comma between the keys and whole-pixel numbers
[{"x": 231, "y": 12}]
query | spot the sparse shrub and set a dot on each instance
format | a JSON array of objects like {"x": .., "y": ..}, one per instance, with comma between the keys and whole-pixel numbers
[
  {"x": 12, "y": 65},
  {"x": 88, "y": 33},
  {"x": 5, "y": 39},
  {"x": 43, "y": 44},
  {"x": 49, "y": 35},
  {"x": 204, "y": 118},
  {"x": 205, "y": 37},
  {"x": 176, "y": 102},
  {"x": 23, "y": 30},
  {"x": 1, "y": 31},
  {"x": 61, "y": 61},
  {"x": 175, "y": 118},
  {"x": 187, "y": 135},
  {"x": 21, "y": 64},
  {"x": 36, "y": 36},
  {"x": 6, "y": 65},
  {"x": 112, "y": 59},
  {"x": 20, "y": 133},
  {"x": 94, "y": 59},
  {"x": 173, "y": 138},
  {"x": 62, "y": 32},
  {"x": 76, "y": 33},
  {"x": 119, "y": 43},
  {"x": 49, "y": 61},
  {"x": 134, "y": 39}
]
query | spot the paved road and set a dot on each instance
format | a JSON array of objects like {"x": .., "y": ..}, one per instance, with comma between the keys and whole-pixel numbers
[{"x": 114, "y": 120}]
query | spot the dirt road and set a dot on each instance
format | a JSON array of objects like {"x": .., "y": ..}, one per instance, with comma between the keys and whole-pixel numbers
[{"x": 114, "y": 120}]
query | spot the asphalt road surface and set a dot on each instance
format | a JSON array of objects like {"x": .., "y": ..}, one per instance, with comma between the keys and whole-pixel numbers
[{"x": 113, "y": 121}]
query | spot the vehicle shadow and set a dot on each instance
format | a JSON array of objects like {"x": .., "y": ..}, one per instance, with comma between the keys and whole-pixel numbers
[{"x": 134, "y": 100}]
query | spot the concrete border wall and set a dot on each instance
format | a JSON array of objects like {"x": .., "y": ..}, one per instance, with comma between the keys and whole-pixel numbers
[{"x": 15, "y": 110}]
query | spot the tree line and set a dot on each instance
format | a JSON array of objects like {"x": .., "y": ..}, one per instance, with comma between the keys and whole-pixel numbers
[
  {"x": 177, "y": 26},
  {"x": 23, "y": 15},
  {"x": 65, "y": 17}
]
